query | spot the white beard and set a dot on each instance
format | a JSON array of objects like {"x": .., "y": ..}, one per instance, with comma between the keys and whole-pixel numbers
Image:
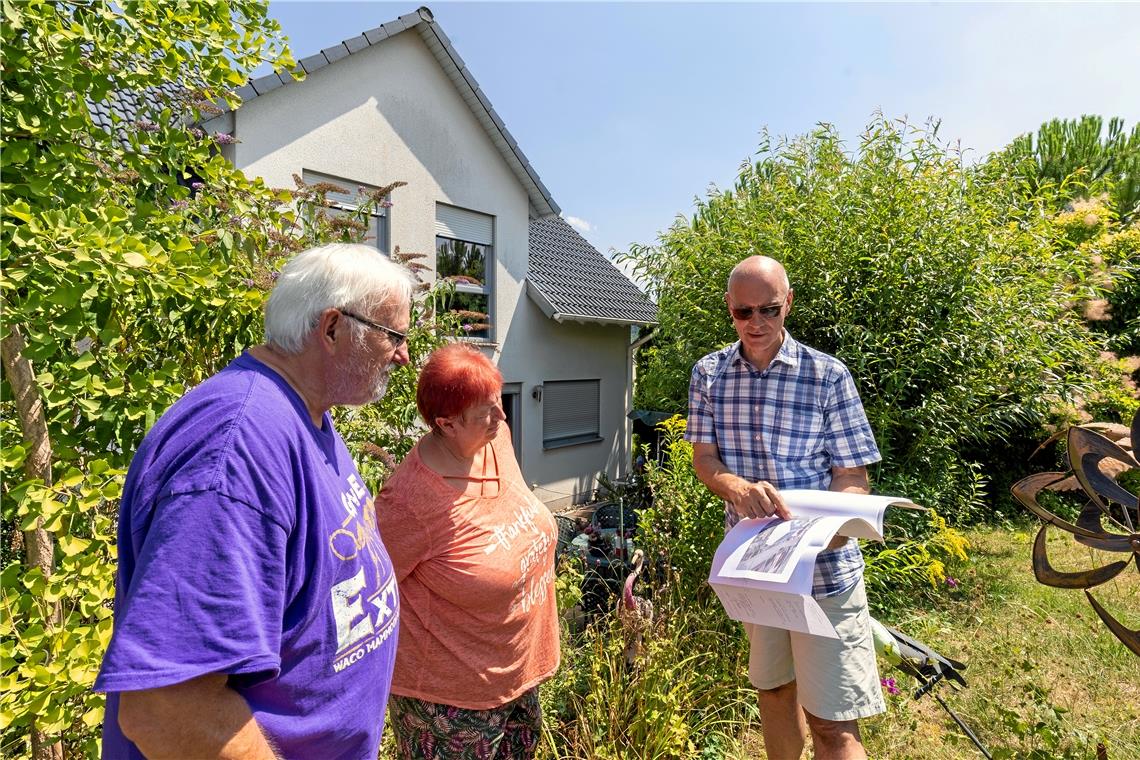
[{"x": 349, "y": 385}]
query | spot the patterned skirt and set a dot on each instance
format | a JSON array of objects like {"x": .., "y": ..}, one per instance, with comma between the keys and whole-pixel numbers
[{"x": 430, "y": 731}]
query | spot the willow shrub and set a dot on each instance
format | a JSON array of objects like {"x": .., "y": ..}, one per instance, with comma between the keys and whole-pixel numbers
[{"x": 946, "y": 291}]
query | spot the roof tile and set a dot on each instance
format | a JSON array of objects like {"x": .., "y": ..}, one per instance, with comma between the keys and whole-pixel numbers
[
  {"x": 579, "y": 280},
  {"x": 335, "y": 53},
  {"x": 314, "y": 62},
  {"x": 357, "y": 43},
  {"x": 375, "y": 35},
  {"x": 267, "y": 83}
]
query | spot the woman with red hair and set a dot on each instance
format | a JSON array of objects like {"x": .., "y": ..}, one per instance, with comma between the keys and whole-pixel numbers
[{"x": 473, "y": 551}]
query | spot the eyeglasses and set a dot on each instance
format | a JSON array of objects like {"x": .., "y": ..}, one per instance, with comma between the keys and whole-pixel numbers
[
  {"x": 744, "y": 313},
  {"x": 395, "y": 336}
]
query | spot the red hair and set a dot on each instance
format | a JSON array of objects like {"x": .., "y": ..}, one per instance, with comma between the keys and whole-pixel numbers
[{"x": 456, "y": 377}]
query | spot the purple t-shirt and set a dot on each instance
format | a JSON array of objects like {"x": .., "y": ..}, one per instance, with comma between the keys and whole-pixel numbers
[{"x": 248, "y": 546}]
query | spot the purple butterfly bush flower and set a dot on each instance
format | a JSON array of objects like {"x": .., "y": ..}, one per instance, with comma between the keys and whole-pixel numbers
[
  {"x": 197, "y": 185},
  {"x": 145, "y": 125},
  {"x": 221, "y": 138},
  {"x": 951, "y": 582},
  {"x": 890, "y": 685}
]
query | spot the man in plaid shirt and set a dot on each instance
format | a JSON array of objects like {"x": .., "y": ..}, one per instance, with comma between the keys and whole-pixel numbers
[{"x": 768, "y": 413}]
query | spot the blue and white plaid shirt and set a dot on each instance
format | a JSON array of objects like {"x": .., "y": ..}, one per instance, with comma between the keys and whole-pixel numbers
[{"x": 788, "y": 425}]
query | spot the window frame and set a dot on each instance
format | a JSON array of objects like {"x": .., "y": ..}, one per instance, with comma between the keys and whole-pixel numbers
[{"x": 485, "y": 289}]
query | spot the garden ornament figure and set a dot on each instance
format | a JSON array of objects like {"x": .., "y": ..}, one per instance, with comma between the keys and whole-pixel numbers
[
  {"x": 1098, "y": 464},
  {"x": 635, "y": 613},
  {"x": 926, "y": 666}
]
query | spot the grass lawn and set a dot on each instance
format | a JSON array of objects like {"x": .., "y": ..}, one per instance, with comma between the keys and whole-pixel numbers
[{"x": 1046, "y": 678}]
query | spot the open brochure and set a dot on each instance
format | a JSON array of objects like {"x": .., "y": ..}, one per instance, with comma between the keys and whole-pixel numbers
[{"x": 764, "y": 568}]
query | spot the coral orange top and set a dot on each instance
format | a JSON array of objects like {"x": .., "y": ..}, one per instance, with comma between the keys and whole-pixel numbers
[{"x": 478, "y": 617}]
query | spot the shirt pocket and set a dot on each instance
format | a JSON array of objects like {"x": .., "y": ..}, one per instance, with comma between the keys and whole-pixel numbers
[{"x": 796, "y": 433}]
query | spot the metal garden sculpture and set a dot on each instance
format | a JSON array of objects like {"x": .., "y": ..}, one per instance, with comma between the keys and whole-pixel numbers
[{"x": 1097, "y": 463}]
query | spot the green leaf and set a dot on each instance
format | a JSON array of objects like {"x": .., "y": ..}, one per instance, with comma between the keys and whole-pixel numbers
[
  {"x": 134, "y": 259},
  {"x": 13, "y": 457}
]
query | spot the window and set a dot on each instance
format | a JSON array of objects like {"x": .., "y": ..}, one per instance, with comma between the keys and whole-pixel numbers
[
  {"x": 463, "y": 255},
  {"x": 570, "y": 412},
  {"x": 345, "y": 197}
]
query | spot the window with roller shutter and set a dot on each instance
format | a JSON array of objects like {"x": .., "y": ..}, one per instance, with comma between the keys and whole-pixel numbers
[{"x": 570, "y": 412}]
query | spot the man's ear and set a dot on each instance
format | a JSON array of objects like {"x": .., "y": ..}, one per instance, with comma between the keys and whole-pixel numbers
[
  {"x": 791, "y": 297},
  {"x": 331, "y": 326}
]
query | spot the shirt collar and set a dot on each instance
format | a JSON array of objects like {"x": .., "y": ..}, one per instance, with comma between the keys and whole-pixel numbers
[{"x": 789, "y": 353}]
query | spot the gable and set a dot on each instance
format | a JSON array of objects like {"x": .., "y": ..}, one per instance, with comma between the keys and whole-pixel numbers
[{"x": 422, "y": 24}]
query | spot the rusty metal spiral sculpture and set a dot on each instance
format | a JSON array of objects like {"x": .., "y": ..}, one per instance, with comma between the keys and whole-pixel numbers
[{"x": 1096, "y": 464}]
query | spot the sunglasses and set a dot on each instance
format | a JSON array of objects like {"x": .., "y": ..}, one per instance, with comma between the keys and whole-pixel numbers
[
  {"x": 744, "y": 313},
  {"x": 395, "y": 336}
]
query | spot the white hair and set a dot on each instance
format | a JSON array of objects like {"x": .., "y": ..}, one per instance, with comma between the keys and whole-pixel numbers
[{"x": 335, "y": 276}]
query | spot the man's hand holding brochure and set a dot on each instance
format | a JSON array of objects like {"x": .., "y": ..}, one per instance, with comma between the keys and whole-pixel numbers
[{"x": 763, "y": 569}]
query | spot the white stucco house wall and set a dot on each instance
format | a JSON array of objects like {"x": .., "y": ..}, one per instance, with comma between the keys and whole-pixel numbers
[{"x": 398, "y": 103}]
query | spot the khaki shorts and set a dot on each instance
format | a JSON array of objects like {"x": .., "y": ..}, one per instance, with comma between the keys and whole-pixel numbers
[{"x": 836, "y": 679}]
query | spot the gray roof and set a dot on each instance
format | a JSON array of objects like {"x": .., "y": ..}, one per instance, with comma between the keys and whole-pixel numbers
[
  {"x": 122, "y": 109},
  {"x": 571, "y": 281}
]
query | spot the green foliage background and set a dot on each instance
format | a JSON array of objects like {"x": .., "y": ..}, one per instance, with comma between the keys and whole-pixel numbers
[{"x": 947, "y": 290}]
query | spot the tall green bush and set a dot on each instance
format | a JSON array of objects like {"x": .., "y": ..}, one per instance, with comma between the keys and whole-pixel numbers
[
  {"x": 945, "y": 290},
  {"x": 123, "y": 284},
  {"x": 135, "y": 264},
  {"x": 1081, "y": 158}
]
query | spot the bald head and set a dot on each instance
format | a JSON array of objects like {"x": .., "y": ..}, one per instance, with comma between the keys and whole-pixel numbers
[
  {"x": 759, "y": 297},
  {"x": 761, "y": 269}
]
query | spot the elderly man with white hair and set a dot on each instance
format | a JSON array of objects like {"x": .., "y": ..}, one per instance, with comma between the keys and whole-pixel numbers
[{"x": 256, "y": 610}]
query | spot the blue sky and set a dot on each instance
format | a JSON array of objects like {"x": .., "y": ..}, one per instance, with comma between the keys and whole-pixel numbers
[{"x": 629, "y": 111}]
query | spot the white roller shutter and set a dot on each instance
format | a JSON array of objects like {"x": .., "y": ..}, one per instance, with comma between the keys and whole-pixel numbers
[
  {"x": 461, "y": 224},
  {"x": 570, "y": 411},
  {"x": 349, "y": 198}
]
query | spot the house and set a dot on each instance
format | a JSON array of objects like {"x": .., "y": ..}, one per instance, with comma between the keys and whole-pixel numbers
[{"x": 398, "y": 103}]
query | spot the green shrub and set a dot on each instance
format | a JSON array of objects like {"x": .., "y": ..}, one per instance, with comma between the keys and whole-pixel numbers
[
  {"x": 1120, "y": 251},
  {"x": 945, "y": 290},
  {"x": 685, "y": 697},
  {"x": 682, "y": 528}
]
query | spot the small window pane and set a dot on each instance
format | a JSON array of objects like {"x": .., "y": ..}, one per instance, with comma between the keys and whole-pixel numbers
[
  {"x": 473, "y": 309},
  {"x": 458, "y": 258}
]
